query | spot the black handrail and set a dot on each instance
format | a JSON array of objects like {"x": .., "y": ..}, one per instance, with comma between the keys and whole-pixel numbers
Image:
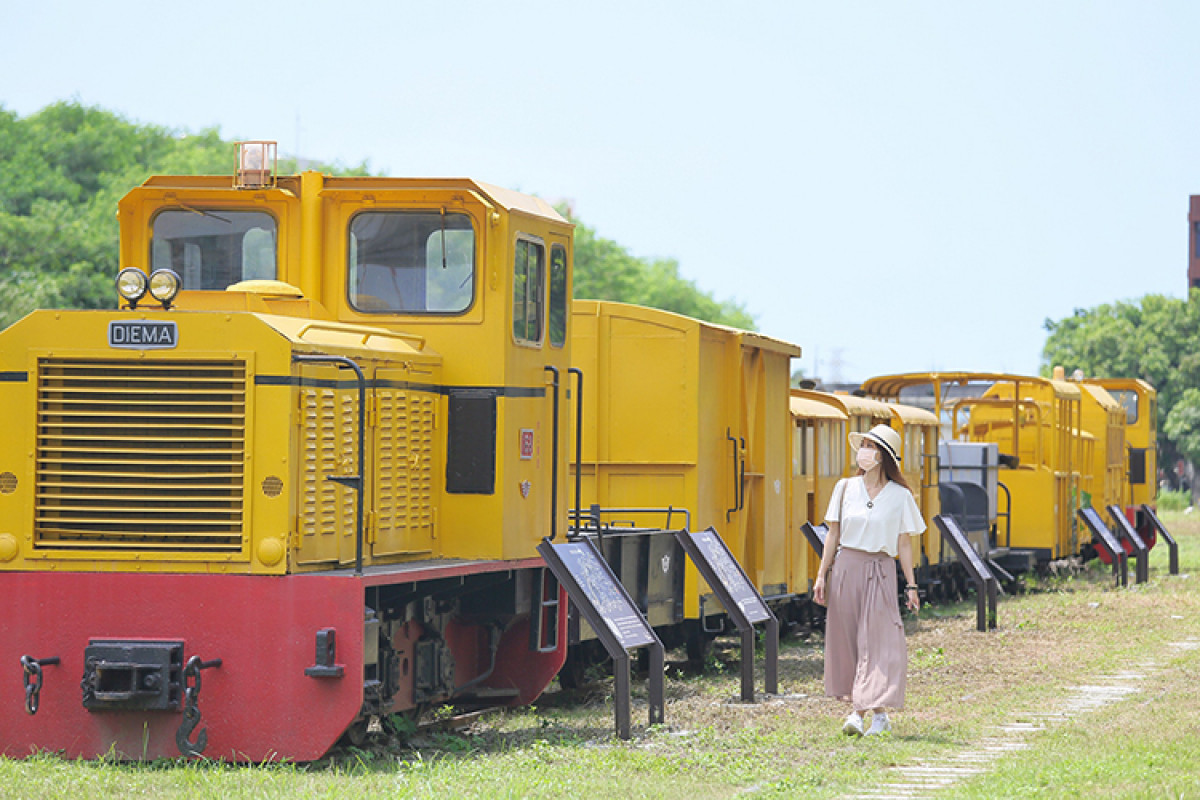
[
  {"x": 554, "y": 459},
  {"x": 742, "y": 477},
  {"x": 736, "y": 487},
  {"x": 578, "y": 434},
  {"x": 354, "y": 482}
]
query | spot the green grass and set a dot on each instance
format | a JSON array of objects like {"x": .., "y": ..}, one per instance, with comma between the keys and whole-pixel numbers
[{"x": 961, "y": 682}]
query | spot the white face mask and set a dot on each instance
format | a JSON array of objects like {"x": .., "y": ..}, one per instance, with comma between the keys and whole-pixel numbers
[{"x": 866, "y": 458}]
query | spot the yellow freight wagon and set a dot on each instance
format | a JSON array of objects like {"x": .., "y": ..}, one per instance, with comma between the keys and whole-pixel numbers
[{"x": 683, "y": 413}]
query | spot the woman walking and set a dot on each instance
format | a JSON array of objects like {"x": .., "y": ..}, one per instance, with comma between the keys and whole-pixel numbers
[{"x": 870, "y": 517}]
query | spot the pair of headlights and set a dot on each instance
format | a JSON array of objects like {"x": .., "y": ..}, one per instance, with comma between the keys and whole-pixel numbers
[{"x": 163, "y": 285}]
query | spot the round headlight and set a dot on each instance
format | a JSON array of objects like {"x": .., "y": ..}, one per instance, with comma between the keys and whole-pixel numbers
[
  {"x": 131, "y": 284},
  {"x": 164, "y": 285}
]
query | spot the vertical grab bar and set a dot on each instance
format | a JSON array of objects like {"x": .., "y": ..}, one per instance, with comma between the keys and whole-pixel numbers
[
  {"x": 737, "y": 489},
  {"x": 554, "y": 460},
  {"x": 578, "y": 373},
  {"x": 742, "y": 470}
]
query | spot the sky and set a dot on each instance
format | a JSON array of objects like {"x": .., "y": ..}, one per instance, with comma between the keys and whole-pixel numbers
[{"x": 893, "y": 185}]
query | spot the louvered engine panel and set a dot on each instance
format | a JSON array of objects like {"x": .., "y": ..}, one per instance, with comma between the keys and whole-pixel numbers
[
  {"x": 404, "y": 484},
  {"x": 140, "y": 455},
  {"x": 329, "y": 443}
]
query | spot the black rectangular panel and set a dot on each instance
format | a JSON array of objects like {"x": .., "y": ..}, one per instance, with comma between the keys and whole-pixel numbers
[
  {"x": 471, "y": 443},
  {"x": 1137, "y": 465}
]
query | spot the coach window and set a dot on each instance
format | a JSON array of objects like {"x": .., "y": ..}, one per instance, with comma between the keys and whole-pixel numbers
[
  {"x": 528, "y": 303},
  {"x": 411, "y": 262},
  {"x": 558, "y": 295},
  {"x": 214, "y": 248}
]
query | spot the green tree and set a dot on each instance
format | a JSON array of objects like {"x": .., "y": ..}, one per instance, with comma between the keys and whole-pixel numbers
[
  {"x": 62, "y": 171},
  {"x": 1182, "y": 425},
  {"x": 1156, "y": 339}
]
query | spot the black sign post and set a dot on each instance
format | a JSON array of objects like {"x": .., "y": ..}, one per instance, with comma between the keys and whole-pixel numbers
[
  {"x": 613, "y": 615},
  {"x": 816, "y": 537},
  {"x": 741, "y": 601},
  {"x": 1104, "y": 538},
  {"x": 1141, "y": 573},
  {"x": 1172, "y": 545},
  {"x": 986, "y": 586}
]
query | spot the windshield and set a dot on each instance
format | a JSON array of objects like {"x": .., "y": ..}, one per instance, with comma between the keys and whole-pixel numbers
[
  {"x": 420, "y": 262},
  {"x": 213, "y": 249}
]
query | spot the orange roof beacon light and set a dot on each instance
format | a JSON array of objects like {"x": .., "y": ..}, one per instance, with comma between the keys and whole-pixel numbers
[{"x": 257, "y": 163}]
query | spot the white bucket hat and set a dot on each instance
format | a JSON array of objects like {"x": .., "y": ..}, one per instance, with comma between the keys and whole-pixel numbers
[{"x": 881, "y": 435}]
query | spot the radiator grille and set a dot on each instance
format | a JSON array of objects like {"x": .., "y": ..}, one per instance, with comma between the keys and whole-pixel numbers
[{"x": 145, "y": 455}]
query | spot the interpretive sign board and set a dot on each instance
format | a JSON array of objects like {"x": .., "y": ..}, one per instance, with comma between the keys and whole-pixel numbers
[
  {"x": 1172, "y": 545},
  {"x": 1103, "y": 537},
  {"x": 616, "y": 619},
  {"x": 815, "y": 534},
  {"x": 741, "y": 599},
  {"x": 1141, "y": 572},
  {"x": 986, "y": 587}
]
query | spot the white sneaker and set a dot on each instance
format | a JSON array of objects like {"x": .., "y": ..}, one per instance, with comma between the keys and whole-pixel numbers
[
  {"x": 853, "y": 726},
  {"x": 879, "y": 724}
]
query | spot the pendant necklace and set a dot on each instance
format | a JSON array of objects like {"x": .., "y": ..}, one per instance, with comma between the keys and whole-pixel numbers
[{"x": 870, "y": 502}]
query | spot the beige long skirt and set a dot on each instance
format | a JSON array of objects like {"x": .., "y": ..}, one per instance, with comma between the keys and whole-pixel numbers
[{"x": 866, "y": 656}]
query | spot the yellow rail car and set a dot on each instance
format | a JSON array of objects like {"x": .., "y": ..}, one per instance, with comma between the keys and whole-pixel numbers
[
  {"x": 1036, "y": 423},
  {"x": 1139, "y": 401},
  {"x": 1103, "y": 418},
  {"x": 919, "y": 430},
  {"x": 694, "y": 416},
  {"x": 862, "y": 414},
  {"x": 818, "y": 461}
]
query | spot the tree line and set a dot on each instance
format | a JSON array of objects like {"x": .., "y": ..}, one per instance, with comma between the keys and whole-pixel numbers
[
  {"x": 1157, "y": 339},
  {"x": 63, "y": 169}
]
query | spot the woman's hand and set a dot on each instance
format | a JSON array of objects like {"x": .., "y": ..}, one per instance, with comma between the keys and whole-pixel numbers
[
  {"x": 819, "y": 590},
  {"x": 914, "y": 600}
]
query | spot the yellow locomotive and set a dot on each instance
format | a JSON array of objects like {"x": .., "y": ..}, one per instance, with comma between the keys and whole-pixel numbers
[{"x": 308, "y": 461}]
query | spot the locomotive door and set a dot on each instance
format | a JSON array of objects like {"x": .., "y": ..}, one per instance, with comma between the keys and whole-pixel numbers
[
  {"x": 327, "y": 436},
  {"x": 401, "y": 516}
]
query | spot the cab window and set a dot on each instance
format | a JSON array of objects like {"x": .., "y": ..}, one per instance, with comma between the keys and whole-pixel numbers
[
  {"x": 411, "y": 262},
  {"x": 558, "y": 295},
  {"x": 214, "y": 248},
  {"x": 1129, "y": 401},
  {"x": 528, "y": 303}
]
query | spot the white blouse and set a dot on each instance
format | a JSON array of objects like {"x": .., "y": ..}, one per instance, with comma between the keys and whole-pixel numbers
[{"x": 873, "y": 526}]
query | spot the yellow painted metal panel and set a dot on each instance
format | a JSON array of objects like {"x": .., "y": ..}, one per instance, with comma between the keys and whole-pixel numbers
[{"x": 725, "y": 453}]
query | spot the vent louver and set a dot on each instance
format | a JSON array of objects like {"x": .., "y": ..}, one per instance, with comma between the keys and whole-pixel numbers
[{"x": 145, "y": 455}]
